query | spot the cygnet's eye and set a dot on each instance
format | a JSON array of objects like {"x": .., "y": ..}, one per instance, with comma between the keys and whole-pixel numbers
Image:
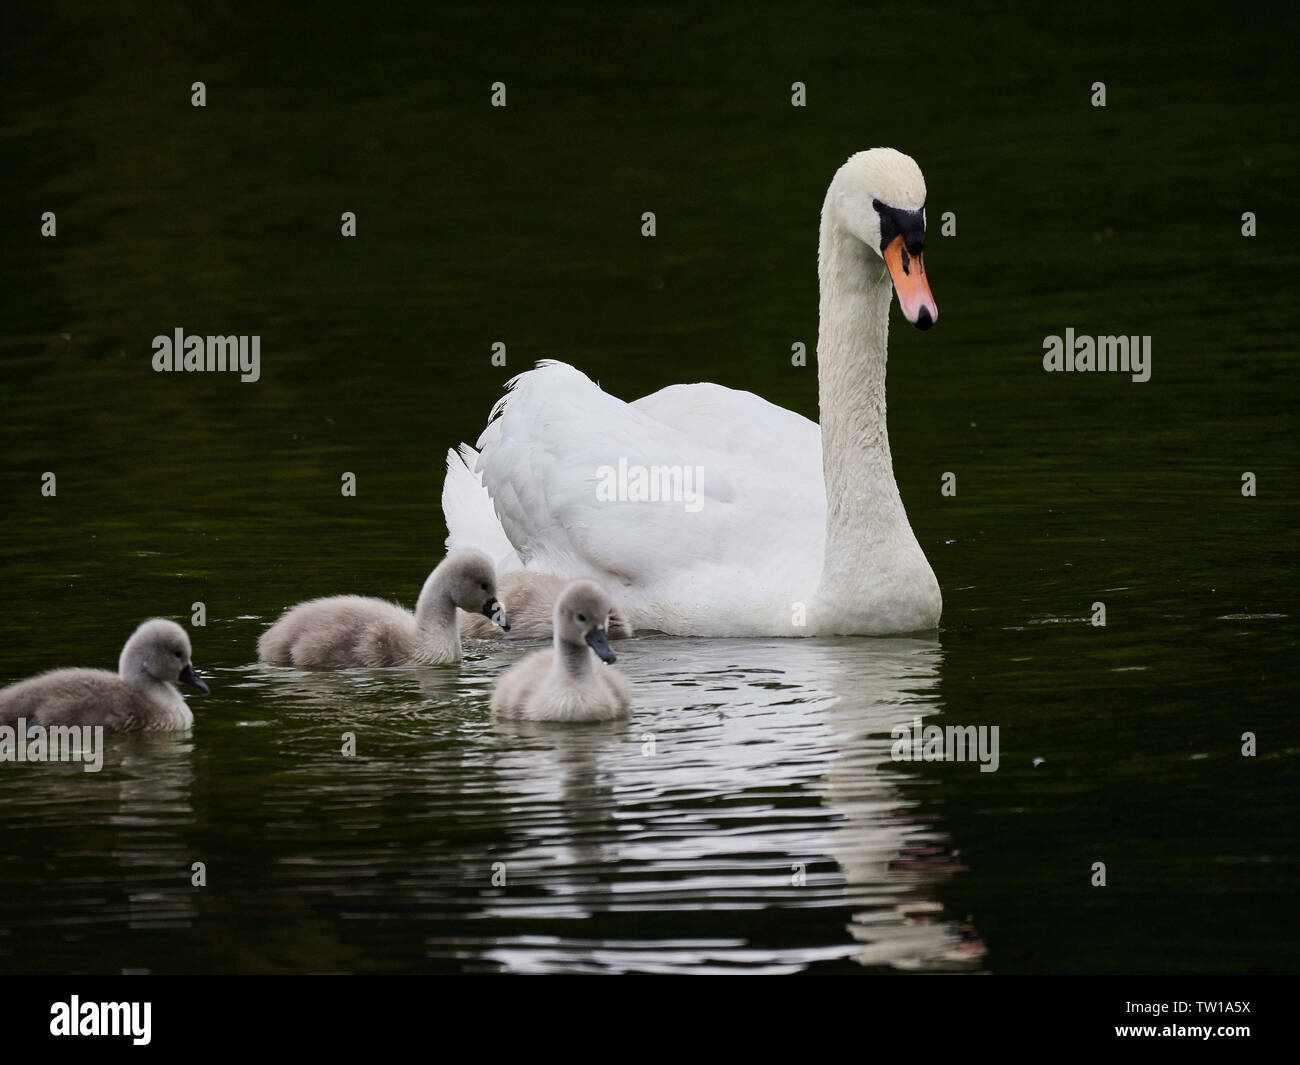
[
  {"x": 483, "y": 586},
  {"x": 178, "y": 654},
  {"x": 582, "y": 618}
]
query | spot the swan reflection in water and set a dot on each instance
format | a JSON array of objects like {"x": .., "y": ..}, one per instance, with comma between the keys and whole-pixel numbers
[
  {"x": 747, "y": 818},
  {"x": 755, "y": 775}
]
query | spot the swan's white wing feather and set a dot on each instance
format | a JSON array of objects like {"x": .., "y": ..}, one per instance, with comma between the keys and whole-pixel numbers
[
  {"x": 754, "y": 542},
  {"x": 471, "y": 520}
]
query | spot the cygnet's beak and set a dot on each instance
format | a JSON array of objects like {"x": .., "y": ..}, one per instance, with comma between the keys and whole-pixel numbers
[
  {"x": 597, "y": 642},
  {"x": 907, "y": 270},
  {"x": 496, "y": 613},
  {"x": 189, "y": 675}
]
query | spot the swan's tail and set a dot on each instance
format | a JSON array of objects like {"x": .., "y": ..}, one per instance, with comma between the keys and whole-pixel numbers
[{"x": 471, "y": 519}]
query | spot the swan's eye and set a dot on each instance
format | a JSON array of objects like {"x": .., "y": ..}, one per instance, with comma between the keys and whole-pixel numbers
[
  {"x": 178, "y": 654},
  {"x": 483, "y": 586},
  {"x": 582, "y": 618}
]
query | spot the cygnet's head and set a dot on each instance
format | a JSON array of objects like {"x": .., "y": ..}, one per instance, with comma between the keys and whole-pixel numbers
[
  {"x": 582, "y": 616},
  {"x": 160, "y": 649},
  {"x": 879, "y": 197},
  {"x": 471, "y": 580}
]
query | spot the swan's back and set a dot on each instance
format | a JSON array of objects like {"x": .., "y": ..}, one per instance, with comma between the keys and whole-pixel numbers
[
  {"x": 745, "y": 426},
  {"x": 733, "y": 565},
  {"x": 90, "y": 697},
  {"x": 339, "y": 632}
]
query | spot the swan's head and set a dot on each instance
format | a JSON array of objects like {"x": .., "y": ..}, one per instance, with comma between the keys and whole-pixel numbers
[
  {"x": 160, "y": 649},
  {"x": 879, "y": 197},
  {"x": 582, "y": 616},
  {"x": 470, "y": 580}
]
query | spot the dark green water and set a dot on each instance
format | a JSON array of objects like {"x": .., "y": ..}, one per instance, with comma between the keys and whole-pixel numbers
[{"x": 522, "y": 226}]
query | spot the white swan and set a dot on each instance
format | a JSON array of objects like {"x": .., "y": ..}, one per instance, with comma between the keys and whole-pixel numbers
[
  {"x": 762, "y": 553},
  {"x": 140, "y": 696},
  {"x": 566, "y": 683},
  {"x": 344, "y": 631}
]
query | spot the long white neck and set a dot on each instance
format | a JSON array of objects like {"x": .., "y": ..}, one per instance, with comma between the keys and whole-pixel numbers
[
  {"x": 871, "y": 555},
  {"x": 435, "y": 620}
]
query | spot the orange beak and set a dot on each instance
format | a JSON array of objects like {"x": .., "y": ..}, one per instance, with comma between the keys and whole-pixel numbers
[{"x": 908, "y": 274}]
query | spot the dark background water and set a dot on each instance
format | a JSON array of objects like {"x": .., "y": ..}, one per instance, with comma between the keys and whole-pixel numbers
[{"x": 522, "y": 225}]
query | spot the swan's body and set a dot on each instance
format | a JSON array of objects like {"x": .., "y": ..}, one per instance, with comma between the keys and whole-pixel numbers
[
  {"x": 345, "y": 631},
  {"x": 569, "y": 682},
  {"x": 529, "y": 599},
  {"x": 762, "y": 553},
  {"x": 140, "y": 696}
]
